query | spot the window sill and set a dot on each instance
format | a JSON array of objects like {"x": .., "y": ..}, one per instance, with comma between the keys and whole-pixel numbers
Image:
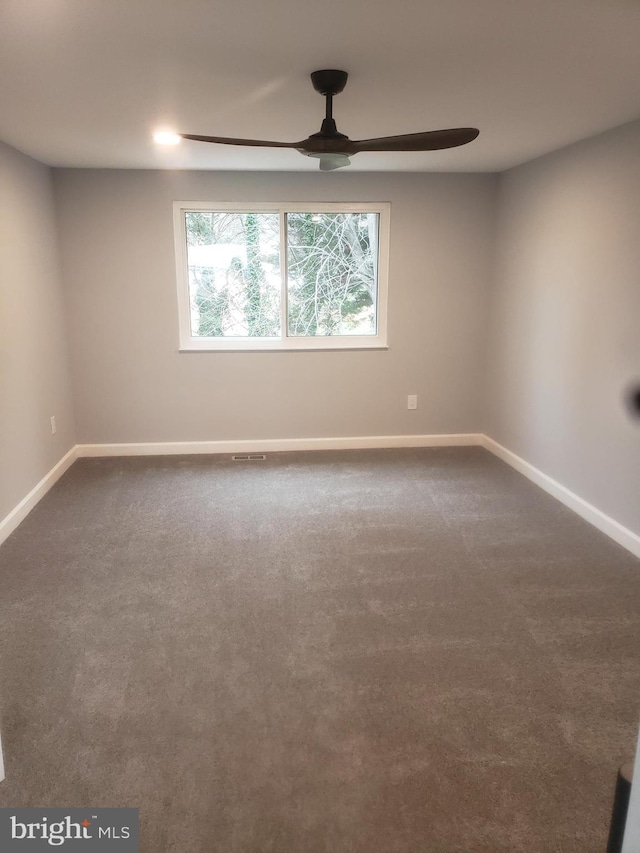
[{"x": 279, "y": 348}]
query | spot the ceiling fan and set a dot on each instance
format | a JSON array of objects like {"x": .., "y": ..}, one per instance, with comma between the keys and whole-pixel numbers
[{"x": 333, "y": 149}]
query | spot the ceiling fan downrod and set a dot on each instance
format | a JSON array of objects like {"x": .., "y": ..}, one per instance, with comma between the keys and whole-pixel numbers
[{"x": 328, "y": 83}]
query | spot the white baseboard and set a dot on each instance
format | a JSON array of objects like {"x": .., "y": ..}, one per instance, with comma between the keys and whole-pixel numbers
[
  {"x": 22, "y": 510},
  {"x": 178, "y": 448},
  {"x": 612, "y": 528}
]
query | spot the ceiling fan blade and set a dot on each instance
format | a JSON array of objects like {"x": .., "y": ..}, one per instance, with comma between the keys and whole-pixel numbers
[
  {"x": 432, "y": 140},
  {"x": 228, "y": 140}
]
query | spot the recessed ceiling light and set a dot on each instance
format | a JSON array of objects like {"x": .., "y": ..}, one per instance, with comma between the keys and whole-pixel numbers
[{"x": 166, "y": 137}]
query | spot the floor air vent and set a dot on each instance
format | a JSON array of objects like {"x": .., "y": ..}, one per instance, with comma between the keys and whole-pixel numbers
[{"x": 249, "y": 457}]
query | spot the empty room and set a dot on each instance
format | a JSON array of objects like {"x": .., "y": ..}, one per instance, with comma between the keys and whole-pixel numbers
[{"x": 320, "y": 426}]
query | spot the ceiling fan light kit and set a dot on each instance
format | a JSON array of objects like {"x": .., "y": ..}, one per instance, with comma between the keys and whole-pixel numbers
[
  {"x": 334, "y": 149},
  {"x": 328, "y": 162}
]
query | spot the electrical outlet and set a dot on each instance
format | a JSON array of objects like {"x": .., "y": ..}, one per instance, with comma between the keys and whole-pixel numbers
[
  {"x": 53, "y": 425},
  {"x": 412, "y": 401}
]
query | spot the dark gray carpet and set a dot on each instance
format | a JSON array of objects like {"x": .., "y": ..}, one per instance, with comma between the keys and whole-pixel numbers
[{"x": 349, "y": 652}]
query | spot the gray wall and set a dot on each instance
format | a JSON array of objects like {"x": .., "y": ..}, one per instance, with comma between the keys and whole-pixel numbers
[
  {"x": 34, "y": 371},
  {"x": 564, "y": 340},
  {"x": 132, "y": 385}
]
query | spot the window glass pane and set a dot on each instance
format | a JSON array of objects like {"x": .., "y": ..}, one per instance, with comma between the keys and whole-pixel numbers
[
  {"x": 234, "y": 274},
  {"x": 332, "y": 273}
]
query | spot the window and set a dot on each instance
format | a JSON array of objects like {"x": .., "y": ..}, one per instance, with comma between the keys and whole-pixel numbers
[{"x": 292, "y": 276}]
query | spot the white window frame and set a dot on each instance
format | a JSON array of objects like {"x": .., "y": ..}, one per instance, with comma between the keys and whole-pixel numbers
[{"x": 191, "y": 343}]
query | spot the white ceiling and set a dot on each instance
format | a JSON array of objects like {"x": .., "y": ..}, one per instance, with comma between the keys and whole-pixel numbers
[{"x": 85, "y": 82}]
